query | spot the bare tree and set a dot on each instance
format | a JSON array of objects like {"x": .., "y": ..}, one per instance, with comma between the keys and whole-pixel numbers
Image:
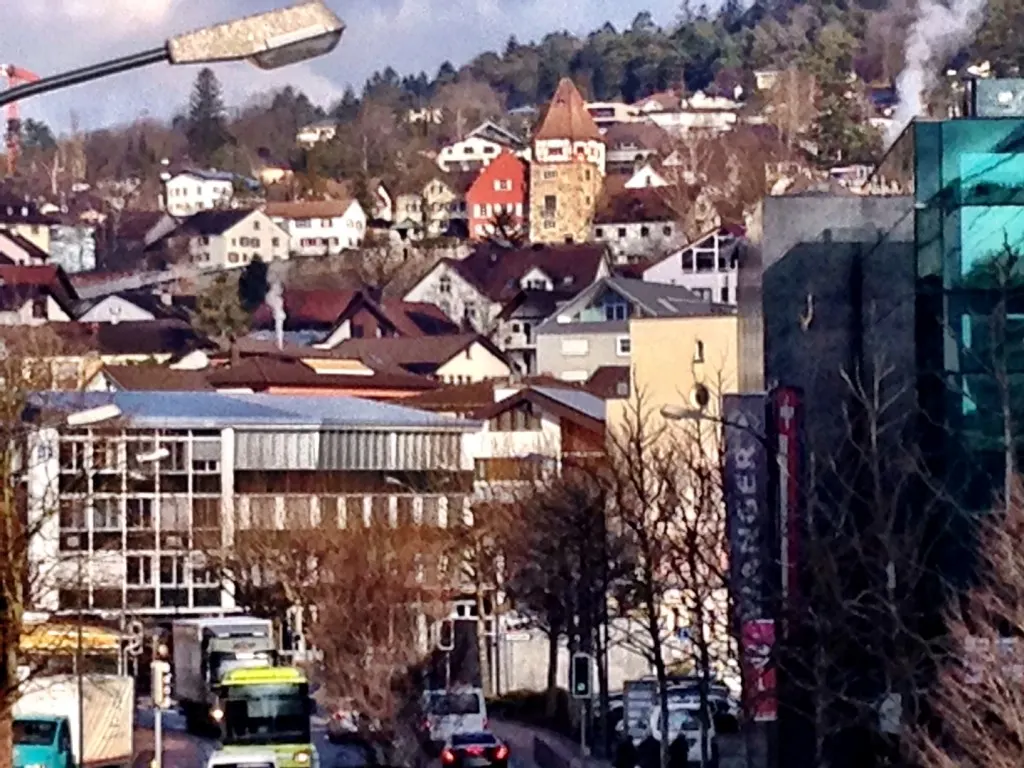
[{"x": 791, "y": 105}]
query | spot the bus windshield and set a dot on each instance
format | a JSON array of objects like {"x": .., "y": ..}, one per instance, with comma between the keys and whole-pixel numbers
[
  {"x": 267, "y": 714},
  {"x": 34, "y": 733}
]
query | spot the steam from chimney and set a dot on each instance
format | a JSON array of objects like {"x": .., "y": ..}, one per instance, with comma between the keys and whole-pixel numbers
[
  {"x": 275, "y": 300},
  {"x": 936, "y": 34}
]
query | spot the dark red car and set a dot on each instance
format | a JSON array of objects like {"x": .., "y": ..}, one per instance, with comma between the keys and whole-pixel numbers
[{"x": 475, "y": 750}]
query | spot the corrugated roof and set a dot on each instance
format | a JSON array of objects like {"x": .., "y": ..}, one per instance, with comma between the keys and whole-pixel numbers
[
  {"x": 217, "y": 410},
  {"x": 584, "y": 402},
  {"x": 567, "y": 117}
]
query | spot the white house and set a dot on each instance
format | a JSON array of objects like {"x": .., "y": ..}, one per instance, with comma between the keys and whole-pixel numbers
[
  {"x": 708, "y": 266},
  {"x": 315, "y": 133},
  {"x": 636, "y": 223},
  {"x": 482, "y": 145},
  {"x": 130, "y": 306},
  {"x": 698, "y": 112},
  {"x": 646, "y": 177},
  {"x": 321, "y": 227},
  {"x": 190, "y": 192},
  {"x": 15, "y": 249},
  {"x": 229, "y": 239},
  {"x": 35, "y": 295}
]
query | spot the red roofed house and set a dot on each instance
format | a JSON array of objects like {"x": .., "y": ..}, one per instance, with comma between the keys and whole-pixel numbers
[
  {"x": 35, "y": 295},
  {"x": 501, "y": 188}
]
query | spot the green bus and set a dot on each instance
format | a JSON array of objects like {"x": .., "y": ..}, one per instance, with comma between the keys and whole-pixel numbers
[{"x": 267, "y": 708}]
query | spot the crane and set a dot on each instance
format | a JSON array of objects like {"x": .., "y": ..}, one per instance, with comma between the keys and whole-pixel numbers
[{"x": 14, "y": 76}]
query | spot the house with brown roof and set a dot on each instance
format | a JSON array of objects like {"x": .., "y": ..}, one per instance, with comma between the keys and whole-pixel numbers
[
  {"x": 320, "y": 227},
  {"x": 530, "y": 431},
  {"x": 505, "y": 293},
  {"x": 458, "y": 358},
  {"x": 227, "y": 239},
  {"x": 630, "y": 145},
  {"x": 35, "y": 295},
  {"x": 567, "y": 169},
  {"x": 637, "y": 223}
]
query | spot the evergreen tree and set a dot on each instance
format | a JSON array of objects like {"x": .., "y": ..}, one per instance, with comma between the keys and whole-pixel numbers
[
  {"x": 35, "y": 134},
  {"x": 348, "y": 108},
  {"x": 252, "y": 285},
  {"x": 219, "y": 313},
  {"x": 206, "y": 129}
]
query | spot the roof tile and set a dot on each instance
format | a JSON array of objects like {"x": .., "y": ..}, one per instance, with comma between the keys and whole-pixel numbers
[{"x": 567, "y": 117}]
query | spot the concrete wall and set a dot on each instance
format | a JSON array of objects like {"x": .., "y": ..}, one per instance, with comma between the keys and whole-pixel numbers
[{"x": 557, "y": 353}]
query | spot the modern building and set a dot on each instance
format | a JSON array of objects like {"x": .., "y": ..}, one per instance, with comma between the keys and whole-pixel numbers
[
  {"x": 499, "y": 195},
  {"x": 592, "y": 330},
  {"x": 320, "y": 227},
  {"x": 567, "y": 170},
  {"x": 190, "y": 192},
  {"x": 132, "y": 516},
  {"x": 709, "y": 266}
]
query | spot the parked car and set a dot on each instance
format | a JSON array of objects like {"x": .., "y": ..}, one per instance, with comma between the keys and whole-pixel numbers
[
  {"x": 475, "y": 750},
  {"x": 242, "y": 758}
]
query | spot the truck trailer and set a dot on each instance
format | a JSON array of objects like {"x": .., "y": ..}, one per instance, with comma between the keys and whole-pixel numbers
[
  {"x": 207, "y": 649},
  {"x": 47, "y": 725}
]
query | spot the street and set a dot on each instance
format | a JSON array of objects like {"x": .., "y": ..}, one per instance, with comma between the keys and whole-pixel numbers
[{"x": 183, "y": 750}]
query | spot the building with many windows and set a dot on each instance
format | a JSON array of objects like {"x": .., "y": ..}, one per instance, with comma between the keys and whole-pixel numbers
[{"x": 141, "y": 504}]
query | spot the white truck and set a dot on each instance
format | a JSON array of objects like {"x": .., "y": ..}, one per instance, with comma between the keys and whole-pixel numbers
[
  {"x": 204, "y": 649},
  {"x": 50, "y": 705}
]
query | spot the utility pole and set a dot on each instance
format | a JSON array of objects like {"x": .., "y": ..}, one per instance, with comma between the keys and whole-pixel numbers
[
  {"x": 80, "y": 656},
  {"x": 160, "y": 685}
]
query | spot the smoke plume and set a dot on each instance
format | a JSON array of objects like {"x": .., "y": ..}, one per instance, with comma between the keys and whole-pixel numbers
[
  {"x": 936, "y": 34},
  {"x": 275, "y": 300}
]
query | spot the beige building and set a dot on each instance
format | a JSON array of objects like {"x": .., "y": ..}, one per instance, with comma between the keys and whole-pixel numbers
[
  {"x": 686, "y": 363},
  {"x": 228, "y": 239},
  {"x": 567, "y": 173}
]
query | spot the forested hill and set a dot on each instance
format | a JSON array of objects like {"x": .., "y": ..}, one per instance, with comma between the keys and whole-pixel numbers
[{"x": 701, "y": 48}]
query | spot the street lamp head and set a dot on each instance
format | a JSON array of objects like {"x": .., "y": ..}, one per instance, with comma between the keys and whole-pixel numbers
[{"x": 268, "y": 40}]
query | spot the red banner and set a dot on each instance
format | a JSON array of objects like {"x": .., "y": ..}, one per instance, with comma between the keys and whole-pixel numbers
[{"x": 759, "y": 694}]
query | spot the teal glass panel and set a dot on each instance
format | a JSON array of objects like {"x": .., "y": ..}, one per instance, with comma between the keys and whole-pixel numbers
[
  {"x": 975, "y": 343},
  {"x": 927, "y": 148},
  {"x": 981, "y": 153},
  {"x": 987, "y": 236}
]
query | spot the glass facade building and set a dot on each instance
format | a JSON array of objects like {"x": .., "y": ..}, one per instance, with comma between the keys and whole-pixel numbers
[{"x": 967, "y": 180}]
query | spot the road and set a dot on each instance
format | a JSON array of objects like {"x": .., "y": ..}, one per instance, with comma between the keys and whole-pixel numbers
[{"x": 182, "y": 750}]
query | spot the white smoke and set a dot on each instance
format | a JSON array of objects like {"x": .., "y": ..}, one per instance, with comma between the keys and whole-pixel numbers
[
  {"x": 275, "y": 300},
  {"x": 936, "y": 34}
]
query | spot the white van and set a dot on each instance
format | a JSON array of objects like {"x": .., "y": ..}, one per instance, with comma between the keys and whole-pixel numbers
[
  {"x": 239, "y": 758},
  {"x": 447, "y": 712}
]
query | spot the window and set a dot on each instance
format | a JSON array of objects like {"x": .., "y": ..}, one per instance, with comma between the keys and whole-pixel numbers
[
  {"x": 139, "y": 570},
  {"x": 599, "y": 232},
  {"x": 303, "y": 224},
  {"x": 725, "y": 294},
  {"x": 622, "y": 346},
  {"x": 502, "y": 185},
  {"x": 556, "y": 151},
  {"x": 575, "y": 347},
  {"x": 523, "y": 418},
  {"x": 549, "y": 224},
  {"x": 550, "y": 205},
  {"x": 106, "y": 514},
  {"x": 645, "y": 231},
  {"x": 206, "y": 513},
  {"x": 172, "y": 570},
  {"x": 325, "y": 223},
  {"x": 233, "y": 257},
  {"x": 39, "y": 308},
  {"x": 698, "y": 351},
  {"x": 586, "y": 174},
  {"x": 622, "y": 232},
  {"x": 275, "y": 241},
  {"x": 476, "y": 210},
  {"x": 667, "y": 230},
  {"x": 140, "y": 514},
  {"x": 444, "y": 285},
  {"x": 549, "y": 175},
  {"x": 256, "y": 226},
  {"x": 616, "y": 309}
]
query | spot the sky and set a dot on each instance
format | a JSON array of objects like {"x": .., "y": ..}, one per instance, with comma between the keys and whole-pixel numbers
[{"x": 50, "y": 36}]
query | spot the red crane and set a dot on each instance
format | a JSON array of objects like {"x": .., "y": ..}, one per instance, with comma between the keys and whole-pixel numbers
[{"x": 14, "y": 76}]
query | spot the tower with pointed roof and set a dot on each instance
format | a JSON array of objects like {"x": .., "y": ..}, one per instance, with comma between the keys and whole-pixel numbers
[{"x": 567, "y": 171}]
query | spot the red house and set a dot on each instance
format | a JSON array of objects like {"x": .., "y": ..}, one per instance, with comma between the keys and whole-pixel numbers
[{"x": 500, "y": 188}]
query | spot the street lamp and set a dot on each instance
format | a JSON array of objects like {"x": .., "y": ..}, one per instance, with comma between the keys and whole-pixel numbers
[{"x": 268, "y": 40}]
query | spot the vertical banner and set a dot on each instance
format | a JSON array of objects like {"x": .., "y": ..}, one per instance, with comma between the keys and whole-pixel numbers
[
  {"x": 788, "y": 416},
  {"x": 761, "y": 702},
  {"x": 746, "y": 493}
]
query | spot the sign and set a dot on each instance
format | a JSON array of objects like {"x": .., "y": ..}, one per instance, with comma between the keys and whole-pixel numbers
[
  {"x": 788, "y": 428},
  {"x": 746, "y": 488},
  {"x": 760, "y": 699}
]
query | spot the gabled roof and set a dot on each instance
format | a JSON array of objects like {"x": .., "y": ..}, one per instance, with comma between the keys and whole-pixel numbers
[
  {"x": 314, "y": 308},
  {"x": 32, "y": 251},
  {"x": 147, "y": 301},
  {"x": 496, "y": 272},
  {"x": 310, "y": 209},
  {"x": 576, "y": 405},
  {"x": 48, "y": 277},
  {"x": 464, "y": 398},
  {"x": 205, "y": 175},
  {"x": 422, "y": 355},
  {"x": 648, "y": 300},
  {"x": 155, "y": 378},
  {"x": 259, "y": 373},
  {"x": 610, "y": 381},
  {"x": 499, "y": 135},
  {"x": 136, "y": 225},
  {"x": 567, "y": 117},
  {"x": 634, "y": 206},
  {"x": 641, "y": 135},
  {"x": 211, "y": 222}
]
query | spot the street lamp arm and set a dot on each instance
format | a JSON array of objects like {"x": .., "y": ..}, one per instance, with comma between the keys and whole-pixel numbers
[{"x": 85, "y": 74}]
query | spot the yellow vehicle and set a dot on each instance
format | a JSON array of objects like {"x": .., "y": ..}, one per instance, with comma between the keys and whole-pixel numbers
[
  {"x": 51, "y": 647},
  {"x": 267, "y": 708}
]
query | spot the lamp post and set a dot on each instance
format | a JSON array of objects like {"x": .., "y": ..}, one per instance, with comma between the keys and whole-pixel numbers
[{"x": 268, "y": 40}]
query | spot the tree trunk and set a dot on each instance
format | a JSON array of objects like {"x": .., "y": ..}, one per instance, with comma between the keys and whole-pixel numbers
[
  {"x": 658, "y": 657},
  {"x": 6, "y": 734},
  {"x": 482, "y": 644},
  {"x": 551, "y": 698}
]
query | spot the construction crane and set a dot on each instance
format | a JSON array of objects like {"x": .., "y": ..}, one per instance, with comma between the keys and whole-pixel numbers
[{"x": 14, "y": 76}]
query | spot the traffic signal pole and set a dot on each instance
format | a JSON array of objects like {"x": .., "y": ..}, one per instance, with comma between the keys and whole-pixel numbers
[{"x": 159, "y": 671}]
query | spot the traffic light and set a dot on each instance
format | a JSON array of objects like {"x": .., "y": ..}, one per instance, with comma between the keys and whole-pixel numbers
[
  {"x": 580, "y": 681},
  {"x": 446, "y": 635},
  {"x": 161, "y": 684}
]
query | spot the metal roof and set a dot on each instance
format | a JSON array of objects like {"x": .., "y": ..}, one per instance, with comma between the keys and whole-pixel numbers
[
  {"x": 584, "y": 402},
  {"x": 218, "y": 410}
]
